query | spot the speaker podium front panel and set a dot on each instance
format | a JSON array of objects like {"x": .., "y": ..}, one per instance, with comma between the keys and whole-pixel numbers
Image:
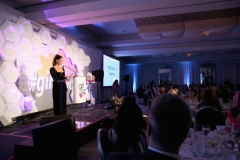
[{"x": 79, "y": 89}]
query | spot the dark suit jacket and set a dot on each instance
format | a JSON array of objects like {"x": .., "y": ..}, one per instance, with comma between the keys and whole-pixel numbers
[{"x": 146, "y": 155}]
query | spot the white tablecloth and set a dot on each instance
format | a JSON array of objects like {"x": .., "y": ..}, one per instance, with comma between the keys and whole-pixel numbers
[{"x": 187, "y": 148}]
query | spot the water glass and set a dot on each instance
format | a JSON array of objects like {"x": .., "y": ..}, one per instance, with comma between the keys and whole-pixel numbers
[
  {"x": 233, "y": 126},
  {"x": 206, "y": 130},
  {"x": 231, "y": 155},
  {"x": 195, "y": 136},
  {"x": 199, "y": 147}
]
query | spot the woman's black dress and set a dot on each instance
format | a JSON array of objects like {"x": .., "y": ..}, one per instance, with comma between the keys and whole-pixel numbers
[{"x": 59, "y": 91}]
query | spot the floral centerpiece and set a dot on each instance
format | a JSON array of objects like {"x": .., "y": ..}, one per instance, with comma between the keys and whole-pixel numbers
[{"x": 116, "y": 101}]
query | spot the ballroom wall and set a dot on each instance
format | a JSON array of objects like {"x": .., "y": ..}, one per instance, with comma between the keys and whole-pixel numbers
[
  {"x": 182, "y": 73},
  {"x": 25, "y": 59}
]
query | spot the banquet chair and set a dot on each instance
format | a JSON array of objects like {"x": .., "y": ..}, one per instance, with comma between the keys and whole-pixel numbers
[
  {"x": 208, "y": 115},
  {"x": 142, "y": 141},
  {"x": 104, "y": 145},
  {"x": 140, "y": 100}
]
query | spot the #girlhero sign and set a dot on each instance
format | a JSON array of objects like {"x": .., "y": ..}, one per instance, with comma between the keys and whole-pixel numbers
[{"x": 79, "y": 89}]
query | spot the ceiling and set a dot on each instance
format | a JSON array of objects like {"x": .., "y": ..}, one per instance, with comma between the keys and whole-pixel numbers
[{"x": 145, "y": 31}]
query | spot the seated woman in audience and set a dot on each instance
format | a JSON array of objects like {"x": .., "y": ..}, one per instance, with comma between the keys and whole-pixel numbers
[
  {"x": 216, "y": 90},
  {"x": 148, "y": 94},
  {"x": 172, "y": 91},
  {"x": 191, "y": 96},
  {"x": 161, "y": 89},
  {"x": 233, "y": 116},
  {"x": 210, "y": 99},
  {"x": 127, "y": 127}
]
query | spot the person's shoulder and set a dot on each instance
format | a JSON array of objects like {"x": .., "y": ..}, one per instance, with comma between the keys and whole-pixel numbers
[{"x": 124, "y": 156}]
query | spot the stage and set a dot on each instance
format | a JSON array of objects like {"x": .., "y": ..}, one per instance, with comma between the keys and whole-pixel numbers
[
  {"x": 90, "y": 118},
  {"x": 18, "y": 131}
]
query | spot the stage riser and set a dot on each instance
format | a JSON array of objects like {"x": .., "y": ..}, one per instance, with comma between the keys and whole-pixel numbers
[{"x": 26, "y": 150}]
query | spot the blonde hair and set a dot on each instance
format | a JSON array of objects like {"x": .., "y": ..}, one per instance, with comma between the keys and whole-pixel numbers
[{"x": 172, "y": 91}]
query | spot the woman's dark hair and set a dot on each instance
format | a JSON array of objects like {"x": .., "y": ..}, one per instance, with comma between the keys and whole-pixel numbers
[
  {"x": 128, "y": 124},
  {"x": 115, "y": 82},
  {"x": 57, "y": 57},
  {"x": 209, "y": 96}
]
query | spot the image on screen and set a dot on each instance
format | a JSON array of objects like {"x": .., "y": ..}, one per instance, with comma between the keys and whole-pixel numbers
[{"x": 111, "y": 70}]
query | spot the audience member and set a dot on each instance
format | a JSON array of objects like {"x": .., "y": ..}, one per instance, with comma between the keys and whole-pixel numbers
[
  {"x": 148, "y": 94},
  {"x": 140, "y": 92},
  {"x": 168, "y": 126},
  {"x": 216, "y": 90},
  {"x": 127, "y": 126},
  {"x": 197, "y": 92},
  {"x": 191, "y": 96},
  {"x": 161, "y": 90},
  {"x": 184, "y": 89},
  {"x": 131, "y": 95},
  {"x": 172, "y": 91},
  {"x": 210, "y": 99},
  {"x": 233, "y": 116}
]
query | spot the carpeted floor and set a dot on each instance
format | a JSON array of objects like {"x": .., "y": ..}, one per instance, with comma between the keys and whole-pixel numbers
[{"x": 7, "y": 145}]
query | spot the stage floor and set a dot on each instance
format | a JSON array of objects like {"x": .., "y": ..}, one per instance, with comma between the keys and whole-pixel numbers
[
  {"x": 86, "y": 115},
  {"x": 81, "y": 113}
]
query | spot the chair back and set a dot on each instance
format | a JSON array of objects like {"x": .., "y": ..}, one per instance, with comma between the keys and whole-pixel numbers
[
  {"x": 104, "y": 145},
  {"x": 112, "y": 137},
  {"x": 208, "y": 115},
  {"x": 142, "y": 141}
]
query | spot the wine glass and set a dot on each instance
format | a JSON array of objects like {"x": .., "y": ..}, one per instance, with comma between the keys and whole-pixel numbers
[
  {"x": 228, "y": 129},
  {"x": 206, "y": 130},
  {"x": 199, "y": 147}
]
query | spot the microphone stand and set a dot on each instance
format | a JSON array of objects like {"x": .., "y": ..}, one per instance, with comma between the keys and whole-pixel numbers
[
  {"x": 89, "y": 88},
  {"x": 70, "y": 69}
]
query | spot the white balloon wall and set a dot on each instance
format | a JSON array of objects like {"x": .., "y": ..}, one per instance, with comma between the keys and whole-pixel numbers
[{"x": 19, "y": 42}]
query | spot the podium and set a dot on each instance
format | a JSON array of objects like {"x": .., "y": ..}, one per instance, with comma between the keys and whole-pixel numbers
[
  {"x": 79, "y": 89},
  {"x": 79, "y": 92}
]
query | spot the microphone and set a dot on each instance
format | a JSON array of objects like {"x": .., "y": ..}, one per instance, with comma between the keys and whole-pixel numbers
[{"x": 70, "y": 69}]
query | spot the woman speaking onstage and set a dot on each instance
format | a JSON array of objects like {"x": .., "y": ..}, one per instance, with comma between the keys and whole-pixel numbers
[{"x": 59, "y": 89}]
